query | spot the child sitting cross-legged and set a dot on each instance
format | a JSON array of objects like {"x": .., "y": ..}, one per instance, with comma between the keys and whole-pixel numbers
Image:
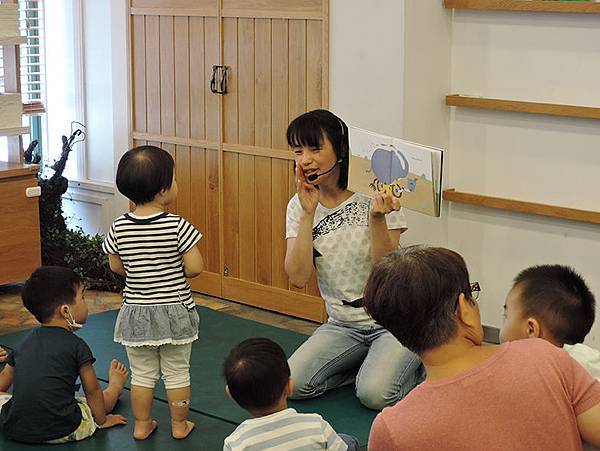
[
  {"x": 258, "y": 379},
  {"x": 552, "y": 302},
  {"x": 45, "y": 365}
]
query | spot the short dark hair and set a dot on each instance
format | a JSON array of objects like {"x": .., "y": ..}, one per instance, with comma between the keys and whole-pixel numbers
[
  {"x": 143, "y": 172},
  {"x": 559, "y": 298},
  {"x": 256, "y": 372},
  {"x": 412, "y": 292},
  {"x": 307, "y": 131},
  {"x": 47, "y": 288}
]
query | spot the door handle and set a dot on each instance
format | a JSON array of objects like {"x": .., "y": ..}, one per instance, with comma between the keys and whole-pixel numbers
[{"x": 218, "y": 80}]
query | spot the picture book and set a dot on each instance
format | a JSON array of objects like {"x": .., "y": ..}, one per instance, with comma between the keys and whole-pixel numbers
[{"x": 411, "y": 172}]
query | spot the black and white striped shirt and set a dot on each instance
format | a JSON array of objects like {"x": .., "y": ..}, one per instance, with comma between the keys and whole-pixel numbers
[{"x": 151, "y": 249}]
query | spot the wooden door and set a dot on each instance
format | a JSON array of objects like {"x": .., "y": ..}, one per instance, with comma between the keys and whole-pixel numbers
[
  {"x": 276, "y": 52},
  {"x": 233, "y": 166},
  {"x": 174, "y": 44}
]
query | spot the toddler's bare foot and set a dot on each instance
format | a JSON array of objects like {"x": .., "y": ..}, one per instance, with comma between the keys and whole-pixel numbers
[
  {"x": 181, "y": 429},
  {"x": 143, "y": 429},
  {"x": 117, "y": 374}
]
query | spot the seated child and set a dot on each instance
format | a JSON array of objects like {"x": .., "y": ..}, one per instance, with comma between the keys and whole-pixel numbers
[
  {"x": 525, "y": 394},
  {"x": 258, "y": 379},
  {"x": 552, "y": 302},
  {"x": 44, "y": 367}
]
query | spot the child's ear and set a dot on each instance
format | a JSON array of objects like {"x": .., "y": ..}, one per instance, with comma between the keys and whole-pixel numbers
[
  {"x": 533, "y": 328},
  {"x": 64, "y": 310},
  {"x": 228, "y": 392},
  {"x": 289, "y": 387}
]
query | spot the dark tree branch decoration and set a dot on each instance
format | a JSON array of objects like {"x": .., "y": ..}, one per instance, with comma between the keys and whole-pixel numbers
[{"x": 60, "y": 245}]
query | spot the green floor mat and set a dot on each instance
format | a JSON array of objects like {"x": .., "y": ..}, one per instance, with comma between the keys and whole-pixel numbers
[
  {"x": 208, "y": 434},
  {"x": 219, "y": 332}
]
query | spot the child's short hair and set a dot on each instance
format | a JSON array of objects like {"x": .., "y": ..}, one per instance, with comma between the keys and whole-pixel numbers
[
  {"x": 256, "y": 372},
  {"x": 143, "y": 172},
  {"x": 412, "y": 292},
  {"x": 308, "y": 129},
  {"x": 559, "y": 298},
  {"x": 47, "y": 288}
]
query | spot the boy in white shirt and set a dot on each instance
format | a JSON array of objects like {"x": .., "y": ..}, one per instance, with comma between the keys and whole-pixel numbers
[
  {"x": 258, "y": 379},
  {"x": 552, "y": 302}
]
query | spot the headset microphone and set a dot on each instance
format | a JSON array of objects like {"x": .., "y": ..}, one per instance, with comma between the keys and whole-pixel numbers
[{"x": 313, "y": 177}]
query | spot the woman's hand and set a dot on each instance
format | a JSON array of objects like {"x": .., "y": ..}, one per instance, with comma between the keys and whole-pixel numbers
[
  {"x": 383, "y": 204},
  {"x": 308, "y": 194}
]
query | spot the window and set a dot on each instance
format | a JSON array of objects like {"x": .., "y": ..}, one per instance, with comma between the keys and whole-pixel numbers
[{"x": 32, "y": 71}]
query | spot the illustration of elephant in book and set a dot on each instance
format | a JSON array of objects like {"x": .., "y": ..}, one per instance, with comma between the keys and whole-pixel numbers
[{"x": 389, "y": 166}]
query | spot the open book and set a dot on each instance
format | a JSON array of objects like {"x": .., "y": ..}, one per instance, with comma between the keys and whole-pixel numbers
[{"x": 410, "y": 171}]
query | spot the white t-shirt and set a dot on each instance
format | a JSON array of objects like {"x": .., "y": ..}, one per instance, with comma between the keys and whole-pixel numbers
[
  {"x": 589, "y": 358},
  {"x": 342, "y": 252},
  {"x": 285, "y": 430}
]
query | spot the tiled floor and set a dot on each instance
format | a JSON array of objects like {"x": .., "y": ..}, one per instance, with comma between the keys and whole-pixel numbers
[{"x": 14, "y": 317}]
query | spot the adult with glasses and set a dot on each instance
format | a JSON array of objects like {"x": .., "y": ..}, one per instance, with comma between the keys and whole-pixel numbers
[
  {"x": 522, "y": 395},
  {"x": 339, "y": 234}
]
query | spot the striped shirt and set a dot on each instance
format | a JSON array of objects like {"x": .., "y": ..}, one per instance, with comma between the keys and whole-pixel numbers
[
  {"x": 151, "y": 249},
  {"x": 285, "y": 430}
]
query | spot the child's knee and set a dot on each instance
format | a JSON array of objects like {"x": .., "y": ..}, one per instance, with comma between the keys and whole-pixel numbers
[
  {"x": 176, "y": 380},
  {"x": 146, "y": 380}
]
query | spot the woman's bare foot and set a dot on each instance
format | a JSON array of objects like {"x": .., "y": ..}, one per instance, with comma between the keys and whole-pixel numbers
[
  {"x": 181, "y": 429},
  {"x": 117, "y": 374},
  {"x": 143, "y": 429}
]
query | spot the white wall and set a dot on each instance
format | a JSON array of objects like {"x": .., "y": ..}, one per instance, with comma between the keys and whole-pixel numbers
[
  {"x": 366, "y": 44},
  {"x": 92, "y": 201},
  {"x": 524, "y": 56}
]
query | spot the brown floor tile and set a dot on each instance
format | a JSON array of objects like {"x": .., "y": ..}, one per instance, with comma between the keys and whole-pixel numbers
[{"x": 14, "y": 317}]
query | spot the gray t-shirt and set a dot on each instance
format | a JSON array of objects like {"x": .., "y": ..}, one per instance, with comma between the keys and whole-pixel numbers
[{"x": 342, "y": 252}]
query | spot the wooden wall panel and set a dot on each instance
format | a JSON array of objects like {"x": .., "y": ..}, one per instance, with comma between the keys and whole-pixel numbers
[
  {"x": 297, "y": 78},
  {"x": 138, "y": 72},
  {"x": 246, "y": 81},
  {"x": 264, "y": 245},
  {"x": 212, "y": 256},
  {"x": 198, "y": 81},
  {"x": 314, "y": 64},
  {"x": 231, "y": 208},
  {"x": 262, "y": 82},
  {"x": 247, "y": 224},
  {"x": 230, "y": 100},
  {"x": 152, "y": 75},
  {"x": 298, "y": 9},
  {"x": 279, "y": 201},
  {"x": 212, "y": 101},
  {"x": 280, "y": 73}
]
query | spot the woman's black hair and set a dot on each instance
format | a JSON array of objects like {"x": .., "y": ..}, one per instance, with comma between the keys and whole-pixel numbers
[
  {"x": 307, "y": 131},
  {"x": 143, "y": 172}
]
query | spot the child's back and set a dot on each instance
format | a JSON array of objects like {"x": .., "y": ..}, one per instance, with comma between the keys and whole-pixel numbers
[
  {"x": 151, "y": 250},
  {"x": 46, "y": 366}
]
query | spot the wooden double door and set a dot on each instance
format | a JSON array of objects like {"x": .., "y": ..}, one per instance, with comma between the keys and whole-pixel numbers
[{"x": 233, "y": 166}]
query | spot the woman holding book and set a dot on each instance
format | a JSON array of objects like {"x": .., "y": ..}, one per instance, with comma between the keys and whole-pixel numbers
[{"x": 340, "y": 235}]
